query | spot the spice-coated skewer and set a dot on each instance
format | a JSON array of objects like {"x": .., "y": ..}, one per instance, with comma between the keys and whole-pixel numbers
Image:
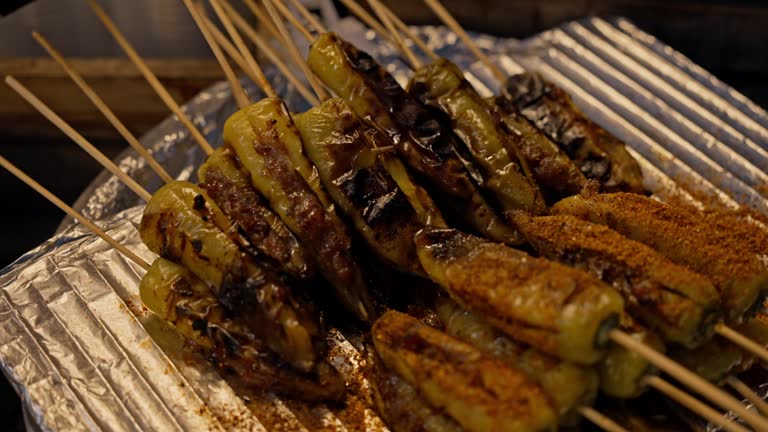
[
  {"x": 692, "y": 380},
  {"x": 103, "y": 108},
  {"x": 43, "y": 109},
  {"x": 151, "y": 78},
  {"x": 71, "y": 212}
]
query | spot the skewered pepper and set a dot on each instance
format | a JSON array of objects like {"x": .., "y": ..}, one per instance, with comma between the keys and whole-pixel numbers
[
  {"x": 423, "y": 143},
  {"x": 178, "y": 224},
  {"x": 556, "y": 309},
  {"x": 568, "y": 386},
  {"x": 477, "y": 391},
  {"x": 174, "y": 294},
  {"x": 740, "y": 278},
  {"x": 506, "y": 176},
  {"x": 622, "y": 371},
  {"x": 680, "y": 304},
  {"x": 258, "y": 135},
  {"x": 358, "y": 183},
  {"x": 600, "y": 155},
  {"x": 556, "y": 174},
  {"x": 229, "y": 187},
  {"x": 403, "y": 409}
]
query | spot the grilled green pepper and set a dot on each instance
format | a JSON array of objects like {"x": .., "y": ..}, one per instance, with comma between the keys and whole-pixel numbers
[
  {"x": 358, "y": 183},
  {"x": 600, "y": 155},
  {"x": 681, "y": 305},
  {"x": 622, "y": 372},
  {"x": 479, "y": 392},
  {"x": 182, "y": 224},
  {"x": 556, "y": 309},
  {"x": 555, "y": 173},
  {"x": 425, "y": 145},
  {"x": 177, "y": 296},
  {"x": 230, "y": 188},
  {"x": 258, "y": 134},
  {"x": 568, "y": 386},
  {"x": 441, "y": 85},
  {"x": 403, "y": 409},
  {"x": 740, "y": 278}
]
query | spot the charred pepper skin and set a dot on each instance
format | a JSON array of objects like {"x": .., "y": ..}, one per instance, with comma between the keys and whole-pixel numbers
[
  {"x": 555, "y": 173},
  {"x": 740, "y": 278},
  {"x": 559, "y": 310},
  {"x": 683, "y": 306},
  {"x": 264, "y": 138},
  {"x": 477, "y": 391},
  {"x": 358, "y": 183},
  {"x": 506, "y": 176},
  {"x": 178, "y": 297},
  {"x": 425, "y": 145},
  {"x": 568, "y": 386},
  {"x": 222, "y": 177},
  {"x": 182, "y": 224},
  {"x": 599, "y": 155}
]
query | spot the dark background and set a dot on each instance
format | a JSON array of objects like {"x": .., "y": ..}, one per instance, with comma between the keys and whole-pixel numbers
[{"x": 727, "y": 38}]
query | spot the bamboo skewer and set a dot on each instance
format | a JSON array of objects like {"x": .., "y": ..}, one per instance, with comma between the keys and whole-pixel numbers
[
  {"x": 747, "y": 393},
  {"x": 367, "y": 18},
  {"x": 695, "y": 405},
  {"x": 283, "y": 9},
  {"x": 399, "y": 42},
  {"x": 451, "y": 22},
  {"x": 241, "y": 97},
  {"x": 151, "y": 78},
  {"x": 311, "y": 19},
  {"x": 601, "y": 420},
  {"x": 294, "y": 51},
  {"x": 265, "y": 47},
  {"x": 43, "y": 109},
  {"x": 71, "y": 212},
  {"x": 690, "y": 379},
  {"x": 742, "y": 341},
  {"x": 103, "y": 108},
  {"x": 263, "y": 18},
  {"x": 409, "y": 33},
  {"x": 262, "y": 82}
]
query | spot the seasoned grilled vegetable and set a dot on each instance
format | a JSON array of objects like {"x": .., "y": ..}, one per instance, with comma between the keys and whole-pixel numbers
[
  {"x": 425, "y": 145},
  {"x": 556, "y": 174},
  {"x": 477, "y": 391},
  {"x": 556, "y": 309},
  {"x": 622, "y": 371},
  {"x": 358, "y": 183},
  {"x": 230, "y": 188},
  {"x": 600, "y": 155},
  {"x": 403, "y": 409},
  {"x": 441, "y": 85},
  {"x": 738, "y": 275},
  {"x": 681, "y": 305},
  {"x": 719, "y": 357},
  {"x": 182, "y": 224},
  {"x": 568, "y": 386},
  {"x": 177, "y": 296},
  {"x": 259, "y": 135}
]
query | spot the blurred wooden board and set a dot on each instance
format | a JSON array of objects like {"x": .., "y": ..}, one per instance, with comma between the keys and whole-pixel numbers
[{"x": 117, "y": 81}]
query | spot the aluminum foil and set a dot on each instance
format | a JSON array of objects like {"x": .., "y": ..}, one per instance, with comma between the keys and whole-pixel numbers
[{"x": 84, "y": 354}]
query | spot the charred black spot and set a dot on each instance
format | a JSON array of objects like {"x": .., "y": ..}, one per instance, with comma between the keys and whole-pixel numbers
[
  {"x": 197, "y": 245},
  {"x": 200, "y": 325},
  {"x": 199, "y": 203}
]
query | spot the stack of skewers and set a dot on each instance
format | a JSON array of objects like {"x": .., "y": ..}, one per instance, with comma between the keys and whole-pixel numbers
[{"x": 526, "y": 268}]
